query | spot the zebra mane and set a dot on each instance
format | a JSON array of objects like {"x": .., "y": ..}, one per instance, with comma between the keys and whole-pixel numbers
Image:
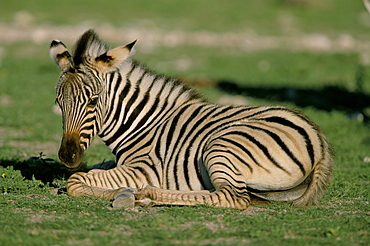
[{"x": 88, "y": 45}]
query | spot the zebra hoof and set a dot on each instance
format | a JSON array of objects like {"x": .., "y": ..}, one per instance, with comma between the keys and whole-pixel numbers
[{"x": 124, "y": 200}]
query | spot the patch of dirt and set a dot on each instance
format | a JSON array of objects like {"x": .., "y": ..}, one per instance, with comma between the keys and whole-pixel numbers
[
  {"x": 86, "y": 241},
  {"x": 24, "y": 29},
  {"x": 216, "y": 241},
  {"x": 26, "y": 148},
  {"x": 15, "y": 133},
  {"x": 40, "y": 217},
  {"x": 256, "y": 210},
  {"x": 5, "y": 100}
]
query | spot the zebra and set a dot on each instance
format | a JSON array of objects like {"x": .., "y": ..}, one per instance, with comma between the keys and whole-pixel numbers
[{"x": 172, "y": 146}]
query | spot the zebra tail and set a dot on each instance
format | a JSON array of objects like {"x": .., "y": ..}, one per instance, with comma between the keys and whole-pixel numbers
[{"x": 320, "y": 179}]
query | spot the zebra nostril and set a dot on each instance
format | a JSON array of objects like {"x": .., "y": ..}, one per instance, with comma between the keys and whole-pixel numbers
[{"x": 71, "y": 152}]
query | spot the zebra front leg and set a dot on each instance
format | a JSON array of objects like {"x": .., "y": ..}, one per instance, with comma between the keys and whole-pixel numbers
[
  {"x": 86, "y": 184},
  {"x": 225, "y": 196},
  {"x": 124, "y": 198},
  {"x": 106, "y": 183}
]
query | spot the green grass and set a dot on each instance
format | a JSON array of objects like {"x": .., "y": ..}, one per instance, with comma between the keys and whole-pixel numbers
[
  {"x": 32, "y": 214},
  {"x": 40, "y": 218},
  {"x": 283, "y": 68},
  {"x": 265, "y": 17}
]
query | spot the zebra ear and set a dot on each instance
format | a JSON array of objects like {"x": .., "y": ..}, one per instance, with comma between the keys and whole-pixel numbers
[
  {"x": 113, "y": 59},
  {"x": 60, "y": 55}
]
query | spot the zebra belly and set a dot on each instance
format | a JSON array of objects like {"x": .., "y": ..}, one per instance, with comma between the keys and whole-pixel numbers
[
  {"x": 262, "y": 157},
  {"x": 273, "y": 182}
]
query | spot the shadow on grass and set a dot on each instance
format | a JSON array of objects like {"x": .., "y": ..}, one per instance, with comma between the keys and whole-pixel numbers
[
  {"x": 45, "y": 170},
  {"x": 328, "y": 98}
]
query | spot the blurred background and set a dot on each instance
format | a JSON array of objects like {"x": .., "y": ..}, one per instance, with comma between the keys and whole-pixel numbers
[{"x": 309, "y": 54}]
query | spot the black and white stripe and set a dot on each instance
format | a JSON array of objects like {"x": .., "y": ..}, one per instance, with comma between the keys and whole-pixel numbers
[{"x": 163, "y": 134}]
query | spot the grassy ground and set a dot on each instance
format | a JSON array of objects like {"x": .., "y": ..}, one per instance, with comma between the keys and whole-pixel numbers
[{"x": 331, "y": 86}]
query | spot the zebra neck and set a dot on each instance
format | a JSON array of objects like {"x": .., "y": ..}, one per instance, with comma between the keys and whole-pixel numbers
[{"x": 138, "y": 98}]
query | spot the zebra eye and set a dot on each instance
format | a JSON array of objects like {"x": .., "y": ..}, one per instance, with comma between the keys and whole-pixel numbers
[{"x": 93, "y": 101}]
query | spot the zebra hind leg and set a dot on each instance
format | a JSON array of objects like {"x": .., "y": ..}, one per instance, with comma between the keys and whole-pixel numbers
[{"x": 225, "y": 196}]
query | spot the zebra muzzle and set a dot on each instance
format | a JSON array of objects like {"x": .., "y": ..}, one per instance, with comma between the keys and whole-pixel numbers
[{"x": 71, "y": 152}]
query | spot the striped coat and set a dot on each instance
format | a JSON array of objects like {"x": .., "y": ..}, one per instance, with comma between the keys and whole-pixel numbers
[{"x": 172, "y": 146}]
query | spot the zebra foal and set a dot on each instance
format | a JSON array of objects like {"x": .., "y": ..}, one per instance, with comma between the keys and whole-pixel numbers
[{"x": 172, "y": 146}]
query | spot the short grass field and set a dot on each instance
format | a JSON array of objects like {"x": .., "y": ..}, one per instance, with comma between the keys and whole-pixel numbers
[{"x": 313, "y": 55}]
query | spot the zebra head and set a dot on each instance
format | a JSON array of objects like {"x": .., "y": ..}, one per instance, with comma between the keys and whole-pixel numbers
[{"x": 80, "y": 91}]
